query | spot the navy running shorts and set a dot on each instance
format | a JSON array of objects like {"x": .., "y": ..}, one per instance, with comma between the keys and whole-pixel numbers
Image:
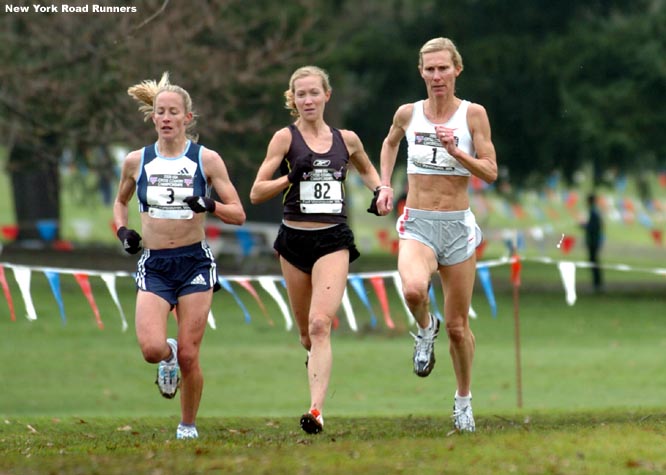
[{"x": 172, "y": 273}]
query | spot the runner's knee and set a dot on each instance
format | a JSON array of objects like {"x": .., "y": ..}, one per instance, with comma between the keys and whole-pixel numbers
[
  {"x": 188, "y": 357},
  {"x": 320, "y": 326},
  {"x": 415, "y": 293},
  {"x": 456, "y": 332}
]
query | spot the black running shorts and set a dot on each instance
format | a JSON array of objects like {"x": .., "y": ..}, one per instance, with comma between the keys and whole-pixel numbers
[{"x": 303, "y": 247}]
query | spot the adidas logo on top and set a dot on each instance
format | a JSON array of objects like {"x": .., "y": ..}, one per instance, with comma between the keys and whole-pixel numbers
[
  {"x": 198, "y": 280},
  {"x": 183, "y": 171}
]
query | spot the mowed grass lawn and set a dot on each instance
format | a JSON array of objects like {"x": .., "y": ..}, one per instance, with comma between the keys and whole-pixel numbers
[
  {"x": 605, "y": 351},
  {"x": 77, "y": 399}
]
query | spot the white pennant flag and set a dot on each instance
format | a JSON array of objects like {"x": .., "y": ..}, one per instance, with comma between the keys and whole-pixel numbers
[
  {"x": 346, "y": 304},
  {"x": 471, "y": 313},
  {"x": 110, "y": 281},
  {"x": 22, "y": 276},
  {"x": 568, "y": 274},
  {"x": 211, "y": 320},
  {"x": 268, "y": 284}
]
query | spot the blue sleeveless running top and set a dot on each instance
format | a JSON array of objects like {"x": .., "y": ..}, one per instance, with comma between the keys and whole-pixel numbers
[{"x": 163, "y": 182}]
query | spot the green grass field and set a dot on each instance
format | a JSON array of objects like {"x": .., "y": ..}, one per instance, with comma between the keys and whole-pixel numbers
[
  {"x": 77, "y": 399},
  {"x": 604, "y": 346},
  {"x": 597, "y": 443}
]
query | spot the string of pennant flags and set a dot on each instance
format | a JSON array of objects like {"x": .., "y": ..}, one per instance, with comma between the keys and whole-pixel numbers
[{"x": 271, "y": 285}]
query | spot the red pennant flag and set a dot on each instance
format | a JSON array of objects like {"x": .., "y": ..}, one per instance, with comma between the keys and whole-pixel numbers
[
  {"x": 567, "y": 244},
  {"x": 84, "y": 283},
  {"x": 395, "y": 246},
  {"x": 515, "y": 270},
  {"x": 477, "y": 183},
  {"x": 378, "y": 284},
  {"x": 603, "y": 203},
  {"x": 382, "y": 237},
  {"x": 248, "y": 286},
  {"x": 213, "y": 232},
  {"x": 10, "y": 232},
  {"x": 63, "y": 245},
  {"x": 8, "y": 295},
  {"x": 657, "y": 236},
  {"x": 518, "y": 211},
  {"x": 572, "y": 199}
]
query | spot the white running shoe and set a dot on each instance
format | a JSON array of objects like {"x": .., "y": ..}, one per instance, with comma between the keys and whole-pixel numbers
[
  {"x": 463, "y": 419},
  {"x": 424, "y": 349},
  {"x": 186, "y": 432},
  {"x": 167, "y": 372}
]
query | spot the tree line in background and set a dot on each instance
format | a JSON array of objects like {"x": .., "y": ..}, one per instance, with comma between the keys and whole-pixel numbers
[{"x": 565, "y": 84}]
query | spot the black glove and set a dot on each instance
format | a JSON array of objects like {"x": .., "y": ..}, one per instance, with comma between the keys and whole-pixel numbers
[
  {"x": 130, "y": 238},
  {"x": 373, "y": 204},
  {"x": 299, "y": 167},
  {"x": 200, "y": 204}
]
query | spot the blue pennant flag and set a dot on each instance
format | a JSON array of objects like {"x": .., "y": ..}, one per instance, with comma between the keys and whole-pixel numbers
[
  {"x": 54, "y": 282},
  {"x": 357, "y": 284},
  {"x": 484, "y": 276},
  {"x": 227, "y": 286}
]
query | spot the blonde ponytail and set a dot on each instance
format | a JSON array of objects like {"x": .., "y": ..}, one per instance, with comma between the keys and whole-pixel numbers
[{"x": 147, "y": 91}]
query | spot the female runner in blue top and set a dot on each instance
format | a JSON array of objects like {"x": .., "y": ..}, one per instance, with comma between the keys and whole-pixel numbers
[{"x": 172, "y": 179}]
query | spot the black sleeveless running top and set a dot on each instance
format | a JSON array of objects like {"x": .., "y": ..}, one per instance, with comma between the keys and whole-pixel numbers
[{"x": 320, "y": 196}]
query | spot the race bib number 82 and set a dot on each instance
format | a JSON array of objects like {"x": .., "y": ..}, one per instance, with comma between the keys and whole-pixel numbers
[{"x": 321, "y": 197}]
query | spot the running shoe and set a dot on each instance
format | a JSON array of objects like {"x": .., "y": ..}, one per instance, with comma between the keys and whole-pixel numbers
[
  {"x": 312, "y": 422},
  {"x": 424, "y": 349},
  {"x": 463, "y": 419},
  {"x": 186, "y": 432},
  {"x": 167, "y": 372}
]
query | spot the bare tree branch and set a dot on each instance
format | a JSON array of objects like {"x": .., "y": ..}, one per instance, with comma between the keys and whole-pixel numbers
[{"x": 151, "y": 17}]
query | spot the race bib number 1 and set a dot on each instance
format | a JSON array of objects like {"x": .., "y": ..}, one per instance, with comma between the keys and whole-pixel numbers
[{"x": 321, "y": 197}]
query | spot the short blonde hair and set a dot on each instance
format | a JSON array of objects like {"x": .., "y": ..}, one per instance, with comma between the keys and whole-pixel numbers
[
  {"x": 146, "y": 92},
  {"x": 301, "y": 73},
  {"x": 441, "y": 44}
]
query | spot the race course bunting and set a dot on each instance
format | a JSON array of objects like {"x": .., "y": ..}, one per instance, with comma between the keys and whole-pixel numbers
[{"x": 377, "y": 298}]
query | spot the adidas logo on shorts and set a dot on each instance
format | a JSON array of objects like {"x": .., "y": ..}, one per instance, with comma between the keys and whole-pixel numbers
[{"x": 199, "y": 280}]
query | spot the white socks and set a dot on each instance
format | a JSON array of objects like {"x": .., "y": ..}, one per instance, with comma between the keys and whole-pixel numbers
[
  {"x": 462, "y": 402},
  {"x": 423, "y": 331},
  {"x": 174, "y": 356}
]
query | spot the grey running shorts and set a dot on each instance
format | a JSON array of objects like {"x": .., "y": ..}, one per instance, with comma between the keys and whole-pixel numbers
[{"x": 452, "y": 235}]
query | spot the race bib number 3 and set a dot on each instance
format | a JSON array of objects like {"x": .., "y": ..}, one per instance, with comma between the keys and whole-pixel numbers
[
  {"x": 321, "y": 197},
  {"x": 165, "y": 194}
]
